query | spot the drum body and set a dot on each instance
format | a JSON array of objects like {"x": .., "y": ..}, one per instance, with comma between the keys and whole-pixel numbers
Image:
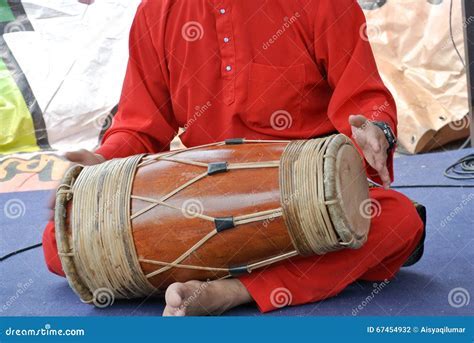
[{"x": 137, "y": 225}]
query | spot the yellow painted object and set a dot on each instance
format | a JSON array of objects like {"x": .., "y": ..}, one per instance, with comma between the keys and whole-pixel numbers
[{"x": 17, "y": 132}]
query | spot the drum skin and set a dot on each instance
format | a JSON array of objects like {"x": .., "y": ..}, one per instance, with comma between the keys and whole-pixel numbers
[{"x": 163, "y": 233}]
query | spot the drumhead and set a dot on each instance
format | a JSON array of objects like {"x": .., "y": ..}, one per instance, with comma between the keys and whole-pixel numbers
[
  {"x": 346, "y": 180},
  {"x": 324, "y": 191}
]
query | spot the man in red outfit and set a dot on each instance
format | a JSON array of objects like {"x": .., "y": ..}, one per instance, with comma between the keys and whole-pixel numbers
[{"x": 262, "y": 70}]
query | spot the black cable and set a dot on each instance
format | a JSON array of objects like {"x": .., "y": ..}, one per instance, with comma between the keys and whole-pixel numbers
[
  {"x": 451, "y": 33},
  {"x": 465, "y": 144},
  {"x": 463, "y": 169},
  {"x": 2, "y": 258}
]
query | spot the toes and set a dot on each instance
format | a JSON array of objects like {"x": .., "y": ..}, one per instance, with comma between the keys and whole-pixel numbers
[
  {"x": 175, "y": 298},
  {"x": 174, "y": 295},
  {"x": 180, "y": 312},
  {"x": 170, "y": 311}
]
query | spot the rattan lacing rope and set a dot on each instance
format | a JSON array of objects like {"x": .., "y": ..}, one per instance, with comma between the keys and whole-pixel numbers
[
  {"x": 238, "y": 220},
  {"x": 104, "y": 252},
  {"x": 250, "y": 267},
  {"x": 304, "y": 206}
]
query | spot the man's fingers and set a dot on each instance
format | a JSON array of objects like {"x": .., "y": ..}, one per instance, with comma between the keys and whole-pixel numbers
[
  {"x": 370, "y": 158},
  {"x": 358, "y": 121},
  {"x": 84, "y": 157},
  {"x": 385, "y": 176},
  {"x": 378, "y": 162},
  {"x": 77, "y": 156},
  {"x": 380, "y": 165},
  {"x": 51, "y": 205}
]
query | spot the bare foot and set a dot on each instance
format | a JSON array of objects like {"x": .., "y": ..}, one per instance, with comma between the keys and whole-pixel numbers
[{"x": 196, "y": 298}]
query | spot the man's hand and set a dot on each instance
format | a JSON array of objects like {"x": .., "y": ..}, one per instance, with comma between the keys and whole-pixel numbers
[
  {"x": 373, "y": 143},
  {"x": 84, "y": 157}
]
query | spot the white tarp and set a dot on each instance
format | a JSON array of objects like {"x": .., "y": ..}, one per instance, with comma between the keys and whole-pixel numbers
[
  {"x": 75, "y": 63},
  {"x": 418, "y": 62}
]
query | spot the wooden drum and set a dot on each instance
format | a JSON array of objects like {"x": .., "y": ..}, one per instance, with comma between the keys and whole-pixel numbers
[{"x": 136, "y": 225}]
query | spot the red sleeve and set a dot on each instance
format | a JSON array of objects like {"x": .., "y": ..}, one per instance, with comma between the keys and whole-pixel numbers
[
  {"x": 50, "y": 250},
  {"x": 342, "y": 49},
  {"x": 144, "y": 122}
]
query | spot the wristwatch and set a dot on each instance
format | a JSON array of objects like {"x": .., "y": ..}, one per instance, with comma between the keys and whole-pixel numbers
[{"x": 387, "y": 130}]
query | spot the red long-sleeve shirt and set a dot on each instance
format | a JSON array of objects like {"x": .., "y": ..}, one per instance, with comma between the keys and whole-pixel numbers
[
  {"x": 245, "y": 68},
  {"x": 262, "y": 69}
]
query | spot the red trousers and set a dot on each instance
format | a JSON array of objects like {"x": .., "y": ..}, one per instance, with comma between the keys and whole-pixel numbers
[{"x": 394, "y": 234}]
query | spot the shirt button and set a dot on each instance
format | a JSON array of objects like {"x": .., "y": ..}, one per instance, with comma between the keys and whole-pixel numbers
[
  {"x": 226, "y": 39},
  {"x": 228, "y": 68},
  {"x": 222, "y": 10}
]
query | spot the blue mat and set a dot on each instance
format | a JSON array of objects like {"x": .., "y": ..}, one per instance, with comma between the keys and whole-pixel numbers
[{"x": 27, "y": 288}]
